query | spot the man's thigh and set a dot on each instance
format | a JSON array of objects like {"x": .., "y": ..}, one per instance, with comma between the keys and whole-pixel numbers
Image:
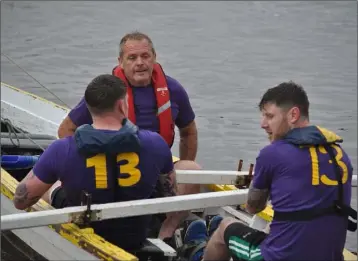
[
  {"x": 244, "y": 242},
  {"x": 58, "y": 198}
]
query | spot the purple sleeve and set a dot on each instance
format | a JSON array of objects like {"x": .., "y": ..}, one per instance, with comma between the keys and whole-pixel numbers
[
  {"x": 164, "y": 154},
  {"x": 186, "y": 114},
  {"x": 263, "y": 170},
  {"x": 80, "y": 114},
  {"x": 48, "y": 165}
]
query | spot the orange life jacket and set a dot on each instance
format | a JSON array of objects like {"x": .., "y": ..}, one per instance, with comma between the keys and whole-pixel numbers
[{"x": 166, "y": 124}]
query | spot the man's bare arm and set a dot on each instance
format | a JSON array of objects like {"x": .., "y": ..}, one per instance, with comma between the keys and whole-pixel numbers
[
  {"x": 66, "y": 128},
  {"x": 188, "y": 142},
  {"x": 256, "y": 200},
  {"x": 168, "y": 184},
  {"x": 29, "y": 191}
]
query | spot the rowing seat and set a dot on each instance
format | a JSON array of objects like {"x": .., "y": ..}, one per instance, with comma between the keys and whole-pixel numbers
[{"x": 155, "y": 249}]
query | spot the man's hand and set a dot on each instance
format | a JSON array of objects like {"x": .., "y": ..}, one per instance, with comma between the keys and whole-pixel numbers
[
  {"x": 188, "y": 142},
  {"x": 67, "y": 128},
  {"x": 29, "y": 191},
  {"x": 256, "y": 200}
]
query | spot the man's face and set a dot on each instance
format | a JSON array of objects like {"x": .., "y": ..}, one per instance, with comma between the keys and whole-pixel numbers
[
  {"x": 275, "y": 121},
  {"x": 137, "y": 62}
]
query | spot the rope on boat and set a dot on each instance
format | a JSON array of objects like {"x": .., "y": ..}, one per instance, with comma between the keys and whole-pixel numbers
[
  {"x": 13, "y": 129},
  {"x": 18, "y": 66}
]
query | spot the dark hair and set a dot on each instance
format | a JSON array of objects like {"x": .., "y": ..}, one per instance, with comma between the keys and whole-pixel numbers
[
  {"x": 287, "y": 95},
  {"x": 136, "y": 35},
  {"x": 103, "y": 92}
]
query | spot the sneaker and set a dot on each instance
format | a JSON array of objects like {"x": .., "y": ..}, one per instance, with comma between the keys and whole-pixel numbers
[
  {"x": 195, "y": 240},
  {"x": 196, "y": 231},
  {"x": 214, "y": 224}
]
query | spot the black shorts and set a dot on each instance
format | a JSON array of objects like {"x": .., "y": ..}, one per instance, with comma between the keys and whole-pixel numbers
[
  {"x": 243, "y": 242},
  {"x": 58, "y": 198}
]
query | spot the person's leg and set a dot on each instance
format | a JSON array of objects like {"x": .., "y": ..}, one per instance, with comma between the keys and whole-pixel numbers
[
  {"x": 234, "y": 239},
  {"x": 56, "y": 196},
  {"x": 47, "y": 196},
  {"x": 216, "y": 248},
  {"x": 185, "y": 189}
]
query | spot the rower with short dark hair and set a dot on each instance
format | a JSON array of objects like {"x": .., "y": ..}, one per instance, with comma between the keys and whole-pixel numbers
[
  {"x": 110, "y": 159},
  {"x": 308, "y": 177}
]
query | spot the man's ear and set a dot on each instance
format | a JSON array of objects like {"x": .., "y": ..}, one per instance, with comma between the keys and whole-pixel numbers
[
  {"x": 120, "y": 61},
  {"x": 295, "y": 115},
  {"x": 155, "y": 57}
]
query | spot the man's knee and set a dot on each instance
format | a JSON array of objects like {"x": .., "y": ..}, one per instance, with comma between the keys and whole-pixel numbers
[
  {"x": 185, "y": 189},
  {"x": 224, "y": 224},
  {"x": 187, "y": 165}
]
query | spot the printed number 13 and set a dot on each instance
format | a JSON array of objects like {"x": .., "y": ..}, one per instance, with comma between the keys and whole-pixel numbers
[
  {"x": 99, "y": 163},
  {"x": 316, "y": 177}
]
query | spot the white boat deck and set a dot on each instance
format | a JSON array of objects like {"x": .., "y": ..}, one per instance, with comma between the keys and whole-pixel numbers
[{"x": 30, "y": 112}]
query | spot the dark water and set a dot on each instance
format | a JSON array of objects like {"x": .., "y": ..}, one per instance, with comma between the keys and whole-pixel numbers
[{"x": 226, "y": 54}]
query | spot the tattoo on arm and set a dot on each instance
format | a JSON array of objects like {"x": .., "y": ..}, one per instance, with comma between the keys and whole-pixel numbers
[
  {"x": 22, "y": 198},
  {"x": 168, "y": 184},
  {"x": 257, "y": 199}
]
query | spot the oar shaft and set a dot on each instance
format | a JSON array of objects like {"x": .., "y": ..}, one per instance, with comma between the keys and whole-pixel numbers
[{"x": 125, "y": 209}]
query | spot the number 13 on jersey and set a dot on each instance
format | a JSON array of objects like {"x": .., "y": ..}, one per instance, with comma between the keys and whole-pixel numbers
[
  {"x": 99, "y": 163},
  {"x": 318, "y": 177}
]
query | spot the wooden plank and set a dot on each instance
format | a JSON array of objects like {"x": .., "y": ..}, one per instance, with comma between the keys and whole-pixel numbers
[
  {"x": 125, "y": 209},
  {"x": 348, "y": 256},
  {"x": 44, "y": 240},
  {"x": 167, "y": 250},
  {"x": 84, "y": 238}
]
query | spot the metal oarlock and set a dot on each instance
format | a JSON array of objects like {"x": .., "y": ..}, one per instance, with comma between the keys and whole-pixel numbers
[{"x": 243, "y": 182}]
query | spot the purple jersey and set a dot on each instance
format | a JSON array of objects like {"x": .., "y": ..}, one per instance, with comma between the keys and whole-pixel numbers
[
  {"x": 113, "y": 166},
  {"x": 146, "y": 107},
  {"x": 303, "y": 177}
]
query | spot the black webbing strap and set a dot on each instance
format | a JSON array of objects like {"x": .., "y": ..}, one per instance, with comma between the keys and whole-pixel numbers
[
  {"x": 342, "y": 208},
  {"x": 115, "y": 171}
]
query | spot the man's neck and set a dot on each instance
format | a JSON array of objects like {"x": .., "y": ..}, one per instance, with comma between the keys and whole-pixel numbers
[
  {"x": 139, "y": 85},
  {"x": 302, "y": 124},
  {"x": 107, "y": 123}
]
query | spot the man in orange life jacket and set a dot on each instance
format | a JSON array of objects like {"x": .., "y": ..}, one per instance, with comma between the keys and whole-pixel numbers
[{"x": 157, "y": 102}]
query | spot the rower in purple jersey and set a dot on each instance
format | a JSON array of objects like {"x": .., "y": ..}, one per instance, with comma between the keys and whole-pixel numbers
[
  {"x": 306, "y": 174},
  {"x": 110, "y": 159},
  {"x": 146, "y": 108},
  {"x": 137, "y": 57}
]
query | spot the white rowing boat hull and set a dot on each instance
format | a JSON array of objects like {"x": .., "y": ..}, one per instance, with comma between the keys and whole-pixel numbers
[{"x": 30, "y": 112}]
